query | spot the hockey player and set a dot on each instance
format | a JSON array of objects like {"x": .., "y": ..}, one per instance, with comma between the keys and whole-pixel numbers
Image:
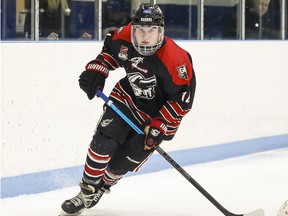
[{"x": 156, "y": 93}]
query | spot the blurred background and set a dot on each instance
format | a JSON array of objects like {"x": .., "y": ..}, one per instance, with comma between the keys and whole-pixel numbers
[{"x": 23, "y": 20}]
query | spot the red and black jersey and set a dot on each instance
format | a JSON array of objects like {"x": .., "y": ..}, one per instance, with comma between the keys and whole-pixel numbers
[{"x": 160, "y": 85}]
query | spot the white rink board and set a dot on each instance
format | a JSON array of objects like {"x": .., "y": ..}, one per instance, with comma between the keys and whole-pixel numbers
[{"x": 48, "y": 122}]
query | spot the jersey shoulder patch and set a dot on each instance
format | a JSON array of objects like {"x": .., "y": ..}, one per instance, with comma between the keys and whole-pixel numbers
[{"x": 176, "y": 61}]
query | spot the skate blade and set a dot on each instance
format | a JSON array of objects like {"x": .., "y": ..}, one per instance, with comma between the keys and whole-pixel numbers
[{"x": 63, "y": 213}]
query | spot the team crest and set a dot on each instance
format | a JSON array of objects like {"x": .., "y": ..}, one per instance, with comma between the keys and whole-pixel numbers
[
  {"x": 142, "y": 87},
  {"x": 182, "y": 72},
  {"x": 123, "y": 54}
]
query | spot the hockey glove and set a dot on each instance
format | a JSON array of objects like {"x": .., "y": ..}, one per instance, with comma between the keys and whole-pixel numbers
[
  {"x": 89, "y": 82},
  {"x": 155, "y": 132},
  {"x": 93, "y": 78}
]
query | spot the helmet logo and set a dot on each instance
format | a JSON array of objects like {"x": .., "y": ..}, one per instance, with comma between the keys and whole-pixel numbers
[
  {"x": 147, "y": 11},
  {"x": 146, "y": 19}
]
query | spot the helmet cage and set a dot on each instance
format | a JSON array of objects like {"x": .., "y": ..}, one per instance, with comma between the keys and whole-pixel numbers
[{"x": 147, "y": 50}]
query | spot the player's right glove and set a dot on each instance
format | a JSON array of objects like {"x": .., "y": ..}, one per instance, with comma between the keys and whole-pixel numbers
[
  {"x": 155, "y": 132},
  {"x": 93, "y": 78}
]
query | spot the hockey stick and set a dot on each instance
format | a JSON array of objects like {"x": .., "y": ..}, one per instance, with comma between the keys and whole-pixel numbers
[{"x": 258, "y": 212}]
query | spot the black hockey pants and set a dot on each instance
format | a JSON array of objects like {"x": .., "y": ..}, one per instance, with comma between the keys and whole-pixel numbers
[{"x": 114, "y": 150}]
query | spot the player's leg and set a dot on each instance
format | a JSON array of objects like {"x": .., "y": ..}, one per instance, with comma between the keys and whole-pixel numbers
[
  {"x": 129, "y": 158},
  {"x": 98, "y": 156},
  {"x": 111, "y": 132}
]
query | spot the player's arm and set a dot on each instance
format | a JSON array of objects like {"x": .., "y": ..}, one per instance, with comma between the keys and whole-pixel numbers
[
  {"x": 173, "y": 111},
  {"x": 97, "y": 70},
  {"x": 165, "y": 125}
]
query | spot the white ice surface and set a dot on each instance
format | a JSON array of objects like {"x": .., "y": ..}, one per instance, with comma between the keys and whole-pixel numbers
[{"x": 240, "y": 184}]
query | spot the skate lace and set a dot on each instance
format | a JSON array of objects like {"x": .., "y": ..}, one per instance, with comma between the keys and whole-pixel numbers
[
  {"x": 92, "y": 197},
  {"x": 77, "y": 201}
]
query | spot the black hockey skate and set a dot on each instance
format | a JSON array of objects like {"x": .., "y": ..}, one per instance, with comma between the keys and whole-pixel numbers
[
  {"x": 88, "y": 197},
  {"x": 73, "y": 206}
]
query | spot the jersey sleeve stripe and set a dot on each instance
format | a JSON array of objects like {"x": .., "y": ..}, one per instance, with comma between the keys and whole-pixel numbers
[
  {"x": 176, "y": 108},
  {"x": 110, "y": 60}
]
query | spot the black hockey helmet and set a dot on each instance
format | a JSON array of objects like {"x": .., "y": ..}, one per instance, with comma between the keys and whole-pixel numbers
[
  {"x": 148, "y": 15},
  {"x": 151, "y": 16}
]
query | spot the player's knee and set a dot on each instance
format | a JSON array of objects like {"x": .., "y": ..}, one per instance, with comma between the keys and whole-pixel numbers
[
  {"x": 103, "y": 144},
  {"x": 113, "y": 127}
]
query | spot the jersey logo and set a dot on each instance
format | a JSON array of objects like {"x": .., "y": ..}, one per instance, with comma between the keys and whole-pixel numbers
[
  {"x": 106, "y": 122},
  {"x": 123, "y": 54},
  {"x": 135, "y": 61},
  {"x": 154, "y": 132},
  {"x": 182, "y": 72},
  {"x": 142, "y": 87}
]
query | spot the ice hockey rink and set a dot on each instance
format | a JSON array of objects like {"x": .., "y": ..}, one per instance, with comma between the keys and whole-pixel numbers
[{"x": 240, "y": 184}]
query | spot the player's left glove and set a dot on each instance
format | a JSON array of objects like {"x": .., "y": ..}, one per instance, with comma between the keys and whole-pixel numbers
[
  {"x": 93, "y": 77},
  {"x": 155, "y": 132}
]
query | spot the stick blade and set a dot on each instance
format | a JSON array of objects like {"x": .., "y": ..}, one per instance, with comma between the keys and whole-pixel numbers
[{"x": 258, "y": 212}]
